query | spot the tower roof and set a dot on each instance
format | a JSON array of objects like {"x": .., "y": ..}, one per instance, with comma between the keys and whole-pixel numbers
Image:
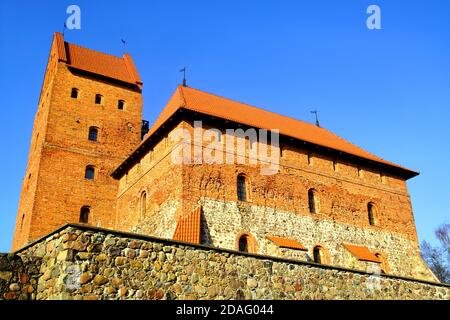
[
  {"x": 77, "y": 57},
  {"x": 213, "y": 105}
]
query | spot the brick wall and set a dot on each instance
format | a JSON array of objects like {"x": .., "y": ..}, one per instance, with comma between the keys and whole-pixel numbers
[
  {"x": 278, "y": 205},
  {"x": 60, "y": 151}
]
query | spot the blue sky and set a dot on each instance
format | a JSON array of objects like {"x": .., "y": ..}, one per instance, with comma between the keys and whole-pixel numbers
[{"x": 386, "y": 90}]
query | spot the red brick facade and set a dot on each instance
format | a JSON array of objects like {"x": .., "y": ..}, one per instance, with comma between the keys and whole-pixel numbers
[{"x": 55, "y": 188}]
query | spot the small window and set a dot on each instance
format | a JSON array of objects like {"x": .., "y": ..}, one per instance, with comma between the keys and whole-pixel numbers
[
  {"x": 74, "y": 93},
  {"x": 382, "y": 178},
  {"x": 120, "y": 104},
  {"x": 243, "y": 243},
  {"x": 372, "y": 212},
  {"x": 313, "y": 201},
  {"x": 360, "y": 172},
  {"x": 310, "y": 159},
  {"x": 335, "y": 165},
  {"x": 93, "y": 134},
  {"x": 89, "y": 173},
  {"x": 143, "y": 204},
  {"x": 319, "y": 255},
  {"x": 84, "y": 214},
  {"x": 98, "y": 99},
  {"x": 241, "y": 188}
]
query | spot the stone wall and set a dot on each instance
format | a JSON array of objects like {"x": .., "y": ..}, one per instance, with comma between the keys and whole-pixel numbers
[
  {"x": 225, "y": 221},
  {"x": 19, "y": 276},
  {"x": 78, "y": 262}
]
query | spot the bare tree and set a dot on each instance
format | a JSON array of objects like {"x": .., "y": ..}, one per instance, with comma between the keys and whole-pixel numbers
[
  {"x": 438, "y": 258},
  {"x": 443, "y": 235}
]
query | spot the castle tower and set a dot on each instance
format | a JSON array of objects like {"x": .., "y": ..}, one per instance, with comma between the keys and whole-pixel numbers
[{"x": 88, "y": 121}]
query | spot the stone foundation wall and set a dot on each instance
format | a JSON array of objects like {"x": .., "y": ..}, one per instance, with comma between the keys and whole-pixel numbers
[
  {"x": 79, "y": 262},
  {"x": 225, "y": 221},
  {"x": 19, "y": 276}
]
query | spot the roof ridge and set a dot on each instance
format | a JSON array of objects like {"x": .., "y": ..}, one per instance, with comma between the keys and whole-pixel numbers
[
  {"x": 253, "y": 106},
  {"x": 94, "y": 50}
]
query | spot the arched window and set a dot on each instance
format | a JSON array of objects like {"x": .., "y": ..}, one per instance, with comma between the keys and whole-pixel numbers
[
  {"x": 84, "y": 214},
  {"x": 98, "y": 98},
  {"x": 243, "y": 243},
  {"x": 74, "y": 93},
  {"x": 120, "y": 104},
  {"x": 242, "y": 187},
  {"x": 93, "y": 134},
  {"x": 371, "y": 213},
  {"x": 313, "y": 201},
  {"x": 246, "y": 243},
  {"x": 143, "y": 204},
  {"x": 89, "y": 173},
  {"x": 319, "y": 255}
]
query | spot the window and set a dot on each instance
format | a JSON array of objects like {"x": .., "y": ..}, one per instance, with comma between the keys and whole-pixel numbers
[
  {"x": 241, "y": 188},
  {"x": 382, "y": 177},
  {"x": 120, "y": 104},
  {"x": 93, "y": 134},
  {"x": 84, "y": 214},
  {"x": 335, "y": 165},
  {"x": 360, "y": 172},
  {"x": 319, "y": 255},
  {"x": 243, "y": 243},
  {"x": 313, "y": 201},
  {"x": 371, "y": 212},
  {"x": 89, "y": 173},
  {"x": 143, "y": 204},
  {"x": 310, "y": 159},
  {"x": 98, "y": 99},
  {"x": 74, "y": 93}
]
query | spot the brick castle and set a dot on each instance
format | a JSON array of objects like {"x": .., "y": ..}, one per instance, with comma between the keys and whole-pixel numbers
[{"x": 92, "y": 161}]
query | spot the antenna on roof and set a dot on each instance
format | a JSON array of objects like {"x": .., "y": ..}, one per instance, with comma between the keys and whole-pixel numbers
[
  {"x": 316, "y": 112},
  {"x": 64, "y": 28},
  {"x": 184, "y": 76}
]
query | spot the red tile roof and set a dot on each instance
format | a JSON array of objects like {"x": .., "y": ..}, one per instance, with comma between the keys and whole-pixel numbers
[
  {"x": 188, "y": 228},
  {"x": 361, "y": 252},
  {"x": 286, "y": 243},
  {"x": 122, "y": 69},
  {"x": 206, "y": 103}
]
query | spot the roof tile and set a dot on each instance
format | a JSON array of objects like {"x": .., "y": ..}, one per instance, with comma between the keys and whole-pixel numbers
[
  {"x": 286, "y": 243},
  {"x": 122, "y": 69},
  {"x": 217, "y": 106},
  {"x": 361, "y": 252},
  {"x": 188, "y": 228}
]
